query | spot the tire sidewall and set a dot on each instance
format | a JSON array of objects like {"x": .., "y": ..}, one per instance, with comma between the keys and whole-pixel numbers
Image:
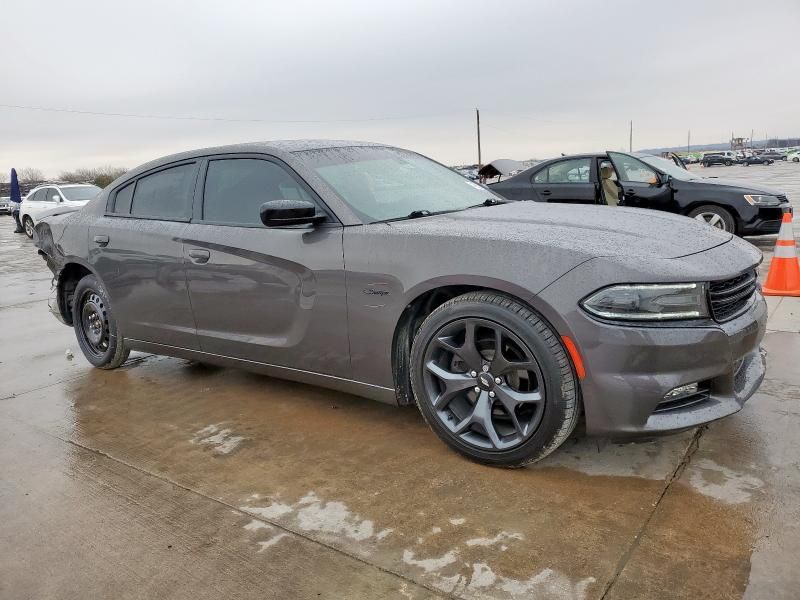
[
  {"x": 555, "y": 387},
  {"x": 88, "y": 284}
]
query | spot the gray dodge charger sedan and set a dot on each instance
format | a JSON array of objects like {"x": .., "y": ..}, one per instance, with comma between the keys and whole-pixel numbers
[{"x": 376, "y": 271}]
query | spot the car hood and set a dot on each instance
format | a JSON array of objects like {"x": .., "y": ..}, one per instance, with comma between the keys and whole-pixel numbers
[
  {"x": 592, "y": 231},
  {"x": 733, "y": 185}
]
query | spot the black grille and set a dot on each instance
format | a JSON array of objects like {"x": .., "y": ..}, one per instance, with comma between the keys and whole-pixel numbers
[{"x": 730, "y": 297}]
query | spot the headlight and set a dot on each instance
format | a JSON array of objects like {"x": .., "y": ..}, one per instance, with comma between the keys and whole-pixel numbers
[
  {"x": 646, "y": 302},
  {"x": 760, "y": 200}
]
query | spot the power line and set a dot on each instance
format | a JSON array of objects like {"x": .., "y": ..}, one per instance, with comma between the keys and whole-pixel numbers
[{"x": 214, "y": 119}]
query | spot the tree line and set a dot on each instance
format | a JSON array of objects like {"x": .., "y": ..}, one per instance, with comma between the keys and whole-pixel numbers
[{"x": 99, "y": 176}]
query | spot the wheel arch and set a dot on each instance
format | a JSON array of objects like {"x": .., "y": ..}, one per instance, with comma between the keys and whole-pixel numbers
[
  {"x": 737, "y": 217},
  {"x": 426, "y": 298},
  {"x": 68, "y": 277}
]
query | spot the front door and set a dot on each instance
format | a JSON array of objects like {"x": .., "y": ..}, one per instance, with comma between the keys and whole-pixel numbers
[
  {"x": 270, "y": 295},
  {"x": 641, "y": 185},
  {"x": 137, "y": 251},
  {"x": 568, "y": 180}
]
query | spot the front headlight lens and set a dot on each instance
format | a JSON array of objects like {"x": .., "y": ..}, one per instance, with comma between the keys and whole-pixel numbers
[
  {"x": 762, "y": 200},
  {"x": 646, "y": 302}
]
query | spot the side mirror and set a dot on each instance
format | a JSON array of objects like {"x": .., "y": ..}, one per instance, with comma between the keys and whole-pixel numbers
[
  {"x": 279, "y": 213},
  {"x": 56, "y": 198},
  {"x": 664, "y": 178}
]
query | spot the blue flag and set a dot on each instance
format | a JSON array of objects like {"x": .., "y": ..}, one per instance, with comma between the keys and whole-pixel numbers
[{"x": 15, "y": 194}]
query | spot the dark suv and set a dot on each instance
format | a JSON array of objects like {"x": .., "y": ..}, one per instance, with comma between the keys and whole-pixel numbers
[
  {"x": 647, "y": 181},
  {"x": 726, "y": 158}
]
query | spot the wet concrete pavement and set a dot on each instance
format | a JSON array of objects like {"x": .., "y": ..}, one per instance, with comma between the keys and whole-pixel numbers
[{"x": 167, "y": 479}]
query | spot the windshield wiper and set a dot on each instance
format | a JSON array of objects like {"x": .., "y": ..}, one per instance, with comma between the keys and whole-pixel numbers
[
  {"x": 490, "y": 202},
  {"x": 416, "y": 214}
]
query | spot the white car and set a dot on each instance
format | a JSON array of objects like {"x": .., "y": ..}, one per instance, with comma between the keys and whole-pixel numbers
[
  {"x": 51, "y": 198},
  {"x": 793, "y": 156}
]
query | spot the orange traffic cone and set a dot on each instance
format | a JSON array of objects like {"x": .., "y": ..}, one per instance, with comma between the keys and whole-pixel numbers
[{"x": 783, "y": 278}]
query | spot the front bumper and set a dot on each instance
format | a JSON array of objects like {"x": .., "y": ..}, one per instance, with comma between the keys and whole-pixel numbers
[
  {"x": 765, "y": 220},
  {"x": 630, "y": 369}
]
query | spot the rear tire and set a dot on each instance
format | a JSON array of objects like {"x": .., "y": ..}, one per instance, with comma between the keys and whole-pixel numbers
[
  {"x": 96, "y": 329},
  {"x": 505, "y": 409},
  {"x": 796, "y": 159},
  {"x": 27, "y": 225},
  {"x": 728, "y": 163},
  {"x": 716, "y": 216}
]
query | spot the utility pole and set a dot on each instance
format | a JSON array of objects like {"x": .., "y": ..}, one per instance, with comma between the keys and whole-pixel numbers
[
  {"x": 688, "y": 141},
  {"x": 630, "y": 138},
  {"x": 478, "y": 123},
  {"x": 752, "y": 133}
]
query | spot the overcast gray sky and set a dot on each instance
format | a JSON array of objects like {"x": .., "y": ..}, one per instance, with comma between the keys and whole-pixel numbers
[{"x": 549, "y": 77}]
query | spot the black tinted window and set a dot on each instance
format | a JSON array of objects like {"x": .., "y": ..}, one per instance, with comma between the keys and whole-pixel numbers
[
  {"x": 166, "y": 194},
  {"x": 122, "y": 201},
  {"x": 236, "y": 188}
]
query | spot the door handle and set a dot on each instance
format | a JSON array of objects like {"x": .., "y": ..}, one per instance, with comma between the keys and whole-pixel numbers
[
  {"x": 198, "y": 256},
  {"x": 546, "y": 192},
  {"x": 630, "y": 192},
  {"x": 101, "y": 240}
]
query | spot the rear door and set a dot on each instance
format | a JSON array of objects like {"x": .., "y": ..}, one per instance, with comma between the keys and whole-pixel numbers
[
  {"x": 270, "y": 295},
  {"x": 642, "y": 186},
  {"x": 137, "y": 250},
  {"x": 570, "y": 180}
]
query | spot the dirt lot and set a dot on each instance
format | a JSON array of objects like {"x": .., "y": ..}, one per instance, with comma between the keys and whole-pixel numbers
[{"x": 166, "y": 479}]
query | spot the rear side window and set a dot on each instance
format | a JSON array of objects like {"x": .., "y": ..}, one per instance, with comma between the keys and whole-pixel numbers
[
  {"x": 236, "y": 188},
  {"x": 165, "y": 195},
  {"x": 570, "y": 171},
  {"x": 122, "y": 201}
]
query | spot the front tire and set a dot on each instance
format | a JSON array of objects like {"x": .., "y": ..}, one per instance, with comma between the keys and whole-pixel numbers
[
  {"x": 27, "y": 225},
  {"x": 95, "y": 327},
  {"x": 716, "y": 216},
  {"x": 728, "y": 163},
  {"x": 493, "y": 381},
  {"x": 796, "y": 159}
]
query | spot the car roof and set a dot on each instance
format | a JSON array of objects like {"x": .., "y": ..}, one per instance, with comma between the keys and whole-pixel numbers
[{"x": 279, "y": 148}]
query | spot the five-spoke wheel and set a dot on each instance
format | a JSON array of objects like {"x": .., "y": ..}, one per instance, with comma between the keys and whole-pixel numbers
[
  {"x": 484, "y": 383},
  {"x": 493, "y": 380}
]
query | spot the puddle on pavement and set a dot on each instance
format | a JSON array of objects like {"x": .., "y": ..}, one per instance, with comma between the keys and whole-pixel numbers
[{"x": 373, "y": 481}]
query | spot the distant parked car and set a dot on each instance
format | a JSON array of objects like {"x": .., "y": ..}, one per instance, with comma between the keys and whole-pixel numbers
[
  {"x": 726, "y": 157},
  {"x": 690, "y": 159},
  {"x": 793, "y": 156},
  {"x": 45, "y": 199},
  {"x": 774, "y": 155},
  {"x": 5, "y": 205},
  {"x": 646, "y": 181},
  {"x": 757, "y": 159}
]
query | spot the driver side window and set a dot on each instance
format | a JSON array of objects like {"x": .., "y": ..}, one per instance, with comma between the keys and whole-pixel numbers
[{"x": 235, "y": 189}]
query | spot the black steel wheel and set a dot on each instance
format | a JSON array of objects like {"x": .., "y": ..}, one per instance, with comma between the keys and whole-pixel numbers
[
  {"x": 95, "y": 327},
  {"x": 493, "y": 381}
]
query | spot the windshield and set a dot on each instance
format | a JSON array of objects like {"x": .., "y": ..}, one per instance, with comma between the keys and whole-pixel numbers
[
  {"x": 667, "y": 166},
  {"x": 82, "y": 192},
  {"x": 381, "y": 184}
]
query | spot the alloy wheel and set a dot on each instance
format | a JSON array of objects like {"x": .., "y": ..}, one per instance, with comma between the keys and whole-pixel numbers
[
  {"x": 712, "y": 219},
  {"x": 94, "y": 323},
  {"x": 484, "y": 384},
  {"x": 28, "y": 227}
]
